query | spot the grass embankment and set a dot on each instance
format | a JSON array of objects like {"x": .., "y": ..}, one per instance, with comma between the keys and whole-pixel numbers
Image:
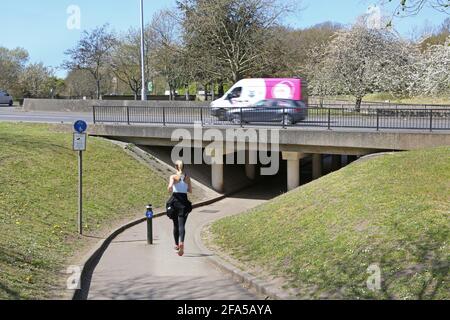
[
  {"x": 38, "y": 202},
  {"x": 392, "y": 211}
]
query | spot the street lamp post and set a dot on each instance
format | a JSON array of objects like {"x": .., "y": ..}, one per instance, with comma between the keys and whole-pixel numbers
[{"x": 143, "y": 92}]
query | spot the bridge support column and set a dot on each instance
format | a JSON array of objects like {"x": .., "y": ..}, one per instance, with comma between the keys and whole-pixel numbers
[
  {"x": 336, "y": 162},
  {"x": 250, "y": 166},
  {"x": 214, "y": 157},
  {"x": 316, "y": 166},
  {"x": 217, "y": 177},
  {"x": 293, "y": 168}
]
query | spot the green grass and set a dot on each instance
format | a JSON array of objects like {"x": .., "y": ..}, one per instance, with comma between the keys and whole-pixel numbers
[
  {"x": 384, "y": 96},
  {"x": 377, "y": 97},
  {"x": 38, "y": 202},
  {"x": 392, "y": 211}
]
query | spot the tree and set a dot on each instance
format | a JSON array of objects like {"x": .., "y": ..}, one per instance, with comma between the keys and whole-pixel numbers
[
  {"x": 363, "y": 61},
  {"x": 303, "y": 49},
  {"x": 438, "y": 37},
  {"x": 413, "y": 7},
  {"x": 56, "y": 86},
  {"x": 125, "y": 62},
  {"x": 228, "y": 38},
  {"x": 167, "y": 53},
  {"x": 405, "y": 8},
  {"x": 36, "y": 81},
  {"x": 432, "y": 74},
  {"x": 126, "y": 58},
  {"x": 80, "y": 83},
  {"x": 12, "y": 63},
  {"x": 92, "y": 53},
  {"x": 319, "y": 73}
]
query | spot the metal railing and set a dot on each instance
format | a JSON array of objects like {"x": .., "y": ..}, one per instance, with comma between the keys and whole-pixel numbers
[{"x": 322, "y": 117}]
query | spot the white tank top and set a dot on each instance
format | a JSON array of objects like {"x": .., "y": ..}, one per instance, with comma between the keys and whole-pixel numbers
[{"x": 181, "y": 186}]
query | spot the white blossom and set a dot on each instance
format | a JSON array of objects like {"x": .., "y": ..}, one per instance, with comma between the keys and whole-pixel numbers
[
  {"x": 432, "y": 74},
  {"x": 362, "y": 60}
]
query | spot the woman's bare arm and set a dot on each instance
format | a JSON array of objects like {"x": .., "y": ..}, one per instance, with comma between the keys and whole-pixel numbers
[
  {"x": 170, "y": 187},
  {"x": 188, "y": 181}
]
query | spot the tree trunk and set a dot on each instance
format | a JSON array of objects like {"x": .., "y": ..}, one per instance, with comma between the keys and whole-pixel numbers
[
  {"x": 98, "y": 89},
  {"x": 135, "y": 95},
  {"x": 186, "y": 87},
  {"x": 358, "y": 104},
  {"x": 213, "y": 94},
  {"x": 206, "y": 92},
  {"x": 236, "y": 75},
  {"x": 221, "y": 90}
]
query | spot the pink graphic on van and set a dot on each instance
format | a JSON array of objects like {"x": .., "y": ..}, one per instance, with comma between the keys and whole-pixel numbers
[{"x": 283, "y": 88}]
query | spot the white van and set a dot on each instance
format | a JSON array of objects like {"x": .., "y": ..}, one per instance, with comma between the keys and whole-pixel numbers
[
  {"x": 5, "y": 98},
  {"x": 248, "y": 92}
]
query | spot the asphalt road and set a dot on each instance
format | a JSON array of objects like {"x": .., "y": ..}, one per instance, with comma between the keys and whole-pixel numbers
[{"x": 14, "y": 115}]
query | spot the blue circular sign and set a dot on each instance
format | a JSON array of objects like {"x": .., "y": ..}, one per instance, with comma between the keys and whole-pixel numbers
[{"x": 80, "y": 126}]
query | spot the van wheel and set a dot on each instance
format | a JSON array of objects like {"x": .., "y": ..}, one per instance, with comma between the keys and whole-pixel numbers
[
  {"x": 287, "y": 120},
  {"x": 10, "y": 103}
]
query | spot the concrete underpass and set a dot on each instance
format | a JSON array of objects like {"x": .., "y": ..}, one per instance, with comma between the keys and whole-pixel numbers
[{"x": 299, "y": 169}]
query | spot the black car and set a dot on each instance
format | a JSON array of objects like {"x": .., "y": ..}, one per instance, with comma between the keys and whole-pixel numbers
[{"x": 271, "y": 110}]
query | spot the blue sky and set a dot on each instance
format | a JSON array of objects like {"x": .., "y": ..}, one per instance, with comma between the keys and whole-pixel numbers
[{"x": 40, "y": 26}]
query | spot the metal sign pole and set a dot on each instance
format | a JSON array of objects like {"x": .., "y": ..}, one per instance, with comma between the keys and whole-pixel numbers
[
  {"x": 79, "y": 144},
  {"x": 143, "y": 91},
  {"x": 80, "y": 192}
]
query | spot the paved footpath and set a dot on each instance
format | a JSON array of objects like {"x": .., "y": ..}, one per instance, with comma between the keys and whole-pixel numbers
[{"x": 131, "y": 269}]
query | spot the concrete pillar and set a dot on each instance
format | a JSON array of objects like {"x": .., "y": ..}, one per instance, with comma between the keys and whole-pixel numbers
[
  {"x": 293, "y": 168},
  {"x": 336, "y": 162},
  {"x": 316, "y": 165},
  {"x": 251, "y": 157},
  {"x": 214, "y": 157},
  {"x": 217, "y": 177}
]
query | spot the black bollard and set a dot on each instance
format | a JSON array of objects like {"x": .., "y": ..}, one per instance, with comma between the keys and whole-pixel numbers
[{"x": 149, "y": 215}]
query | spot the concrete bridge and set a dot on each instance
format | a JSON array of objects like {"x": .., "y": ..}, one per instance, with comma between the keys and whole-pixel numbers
[
  {"x": 290, "y": 144},
  {"x": 343, "y": 134}
]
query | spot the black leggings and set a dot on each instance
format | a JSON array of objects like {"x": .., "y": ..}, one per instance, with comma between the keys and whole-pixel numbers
[{"x": 179, "y": 228}]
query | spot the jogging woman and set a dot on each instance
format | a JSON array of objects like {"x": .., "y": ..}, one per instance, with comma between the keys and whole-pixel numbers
[{"x": 180, "y": 185}]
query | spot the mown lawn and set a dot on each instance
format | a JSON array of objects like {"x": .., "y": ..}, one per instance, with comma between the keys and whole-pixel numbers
[
  {"x": 392, "y": 211},
  {"x": 38, "y": 203},
  {"x": 385, "y": 96},
  {"x": 377, "y": 97}
]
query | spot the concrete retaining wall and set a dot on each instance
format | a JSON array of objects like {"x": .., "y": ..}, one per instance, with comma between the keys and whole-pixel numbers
[{"x": 55, "y": 105}]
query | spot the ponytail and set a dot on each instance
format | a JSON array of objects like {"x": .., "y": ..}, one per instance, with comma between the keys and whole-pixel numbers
[{"x": 180, "y": 166}]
